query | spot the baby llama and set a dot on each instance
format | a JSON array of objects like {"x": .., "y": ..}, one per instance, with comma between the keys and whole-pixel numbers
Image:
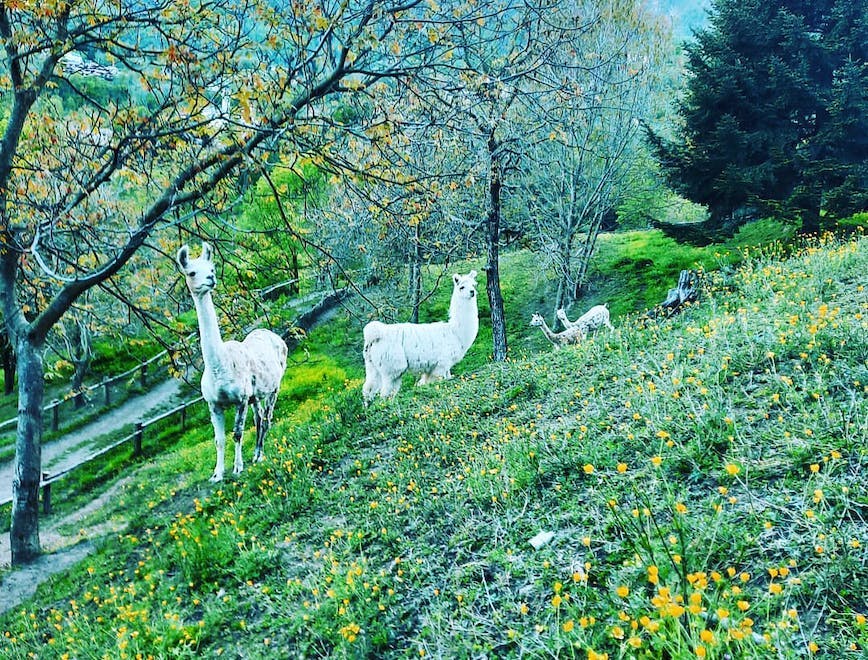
[
  {"x": 591, "y": 320},
  {"x": 558, "y": 339},
  {"x": 236, "y": 374},
  {"x": 430, "y": 349}
]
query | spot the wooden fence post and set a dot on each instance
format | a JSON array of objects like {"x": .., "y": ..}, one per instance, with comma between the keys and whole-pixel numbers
[
  {"x": 55, "y": 415},
  {"x": 137, "y": 439},
  {"x": 46, "y": 495},
  {"x": 108, "y": 398},
  {"x": 183, "y": 417},
  {"x": 144, "y": 376}
]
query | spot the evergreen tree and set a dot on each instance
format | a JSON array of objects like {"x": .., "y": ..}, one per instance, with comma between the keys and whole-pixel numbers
[{"x": 775, "y": 114}]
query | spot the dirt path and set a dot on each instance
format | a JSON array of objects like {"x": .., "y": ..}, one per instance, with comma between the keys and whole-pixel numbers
[
  {"x": 63, "y": 548},
  {"x": 72, "y": 448}
]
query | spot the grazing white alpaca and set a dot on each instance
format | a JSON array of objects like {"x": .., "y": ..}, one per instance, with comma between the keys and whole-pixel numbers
[
  {"x": 431, "y": 349},
  {"x": 591, "y": 320},
  {"x": 558, "y": 339},
  {"x": 236, "y": 373}
]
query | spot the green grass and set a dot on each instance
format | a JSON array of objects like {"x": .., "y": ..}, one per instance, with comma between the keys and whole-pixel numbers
[{"x": 703, "y": 478}]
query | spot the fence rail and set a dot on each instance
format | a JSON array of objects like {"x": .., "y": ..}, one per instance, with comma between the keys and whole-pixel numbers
[
  {"x": 135, "y": 437},
  {"x": 107, "y": 388}
]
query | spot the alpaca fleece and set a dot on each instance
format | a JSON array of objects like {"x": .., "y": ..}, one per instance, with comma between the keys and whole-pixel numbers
[
  {"x": 236, "y": 373},
  {"x": 430, "y": 349}
]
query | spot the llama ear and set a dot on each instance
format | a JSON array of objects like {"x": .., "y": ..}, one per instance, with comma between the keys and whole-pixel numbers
[
  {"x": 472, "y": 274},
  {"x": 183, "y": 257},
  {"x": 455, "y": 278},
  {"x": 207, "y": 251}
]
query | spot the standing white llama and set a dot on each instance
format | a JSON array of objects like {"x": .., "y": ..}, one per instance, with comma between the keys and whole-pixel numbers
[
  {"x": 431, "y": 349},
  {"x": 236, "y": 374}
]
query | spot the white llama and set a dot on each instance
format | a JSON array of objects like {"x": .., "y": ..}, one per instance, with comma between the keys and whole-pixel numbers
[
  {"x": 431, "y": 349},
  {"x": 236, "y": 373},
  {"x": 591, "y": 320},
  {"x": 558, "y": 339}
]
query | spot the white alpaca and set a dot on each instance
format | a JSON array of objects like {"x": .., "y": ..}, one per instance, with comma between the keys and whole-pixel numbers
[
  {"x": 558, "y": 339},
  {"x": 431, "y": 349},
  {"x": 591, "y": 320},
  {"x": 236, "y": 373}
]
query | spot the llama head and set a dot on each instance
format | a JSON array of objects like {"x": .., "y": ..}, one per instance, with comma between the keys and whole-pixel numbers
[
  {"x": 464, "y": 286},
  {"x": 561, "y": 314},
  {"x": 537, "y": 319},
  {"x": 198, "y": 272}
]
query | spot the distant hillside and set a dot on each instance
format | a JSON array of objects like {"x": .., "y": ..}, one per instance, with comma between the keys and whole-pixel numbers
[{"x": 686, "y": 15}]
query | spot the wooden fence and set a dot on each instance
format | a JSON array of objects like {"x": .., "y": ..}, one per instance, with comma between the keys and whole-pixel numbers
[
  {"x": 136, "y": 437},
  {"x": 109, "y": 391}
]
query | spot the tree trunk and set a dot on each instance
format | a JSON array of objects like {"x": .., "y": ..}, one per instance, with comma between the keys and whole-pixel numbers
[
  {"x": 560, "y": 298},
  {"x": 811, "y": 218},
  {"x": 492, "y": 285},
  {"x": 79, "y": 348},
  {"x": 295, "y": 271},
  {"x": 686, "y": 291},
  {"x": 8, "y": 355},
  {"x": 82, "y": 367},
  {"x": 24, "y": 533},
  {"x": 565, "y": 294},
  {"x": 588, "y": 248},
  {"x": 416, "y": 276}
]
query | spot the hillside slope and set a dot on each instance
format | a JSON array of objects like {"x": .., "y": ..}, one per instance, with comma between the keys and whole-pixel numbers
[{"x": 702, "y": 479}]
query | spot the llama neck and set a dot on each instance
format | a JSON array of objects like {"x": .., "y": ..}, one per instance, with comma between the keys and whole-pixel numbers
[
  {"x": 464, "y": 320},
  {"x": 547, "y": 331},
  {"x": 209, "y": 330}
]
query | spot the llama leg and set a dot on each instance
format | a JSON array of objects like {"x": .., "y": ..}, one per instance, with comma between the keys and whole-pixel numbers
[
  {"x": 390, "y": 387},
  {"x": 373, "y": 377},
  {"x": 257, "y": 423},
  {"x": 391, "y": 373},
  {"x": 440, "y": 372},
  {"x": 219, "y": 423},
  {"x": 372, "y": 383},
  {"x": 238, "y": 432},
  {"x": 263, "y": 413}
]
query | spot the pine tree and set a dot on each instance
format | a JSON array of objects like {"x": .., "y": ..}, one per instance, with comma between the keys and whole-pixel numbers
[{"x": 774, "y": 115}]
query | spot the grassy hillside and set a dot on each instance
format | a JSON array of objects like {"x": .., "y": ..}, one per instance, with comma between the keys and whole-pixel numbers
[
  {"x": 702, "y": 479},
  {"x": 631, "y": 272}
]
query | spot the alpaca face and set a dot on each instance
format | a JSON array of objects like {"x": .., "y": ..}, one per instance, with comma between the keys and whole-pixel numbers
[
  {"x": 199, "y": 272},
  {"x": 536, "y": 319},
  {"x": 465, "y": 285}
]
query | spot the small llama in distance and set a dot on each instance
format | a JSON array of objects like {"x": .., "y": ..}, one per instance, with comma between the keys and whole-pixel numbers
[
  {"x": 558, "y": 339},
  {"x": 431, "y": 349},
  {"x": 591, "y": 320},
  {"x": 236, "y": 374}
]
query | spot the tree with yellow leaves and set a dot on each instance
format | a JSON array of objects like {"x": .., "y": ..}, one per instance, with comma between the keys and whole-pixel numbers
[{"x": 201, "y": 92}]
